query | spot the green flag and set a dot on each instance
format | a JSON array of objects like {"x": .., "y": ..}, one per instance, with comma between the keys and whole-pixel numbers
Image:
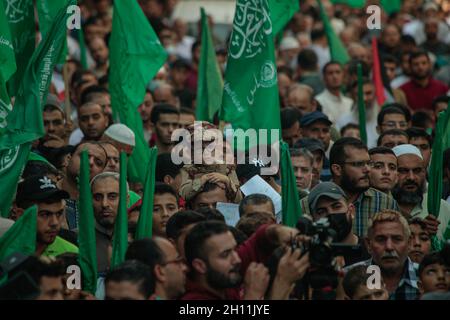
[
  {"x": 291, "y": 208},
  {"x": 436, "y": 171},
  {"x": 135, "y": 56},
  {"x": 250, "y": 97},
  {"x": 281, "y": 11},
  {"x": 25, "y": 122},
  {"x": 391, "y": 6},
  {"x": 120, "y": 237},
  {"x": 21, "y": 237},
  {"x": 20, "y": 15},
  {"x": 47, "y": 11},
  {"x": 87, "y": 256},
  {"x": 7, "y": 67},
  {"x": 82, "y": 44},
  {"x": 210, "y": 83},
  {"x": 337, "y": 49},
  {"x": 145, "y": 222},
  {"x": 361, "y": 107},
  {"x": 358, "y": 4}
]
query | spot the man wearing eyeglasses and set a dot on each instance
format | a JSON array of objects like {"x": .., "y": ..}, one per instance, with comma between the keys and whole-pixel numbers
[
  {"x": 350, "y": 166},
  {"x": 42, "y": 191},
  {"x": 410, "y": 191},
  {"x": 392, "y": 117}
]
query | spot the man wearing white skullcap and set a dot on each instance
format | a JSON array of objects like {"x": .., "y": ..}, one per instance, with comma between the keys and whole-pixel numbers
[
  {"x": 121, "y": 137},
  {"x": 410, "y": 190}
]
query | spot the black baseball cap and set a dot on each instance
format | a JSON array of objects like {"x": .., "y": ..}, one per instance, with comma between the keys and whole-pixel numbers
[
  {"x": 312, "y": 117},
  {"x": 310, "y": 144},
  {"x": 324, "y": 189},
  {"x": 39, "y": 188}
]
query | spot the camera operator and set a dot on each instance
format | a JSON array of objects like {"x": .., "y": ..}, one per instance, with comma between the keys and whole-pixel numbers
[{"x": 328, "y": 200}]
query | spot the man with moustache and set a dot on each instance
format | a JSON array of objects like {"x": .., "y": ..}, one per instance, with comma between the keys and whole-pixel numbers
[
  {"x": 422, "y": 88},
  {"x": 350, "y": 166},
  {"x": 410, "y": 191},
  {"x": 387, "y": 242},
  {"x": 105, "y": 200}
]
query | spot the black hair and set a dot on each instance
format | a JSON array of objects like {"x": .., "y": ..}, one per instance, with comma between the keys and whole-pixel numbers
[
  {"x": 365, "y": 80},
  {"x": 415, "y": 132},
  {"x": 392, "y": 132},
  {"x": 331, "y": 63},
  {"x": 432, "y": 258},
  {"x": 196, "y": 238},
  {"x": 165, "y": 166},
  {"x": 420, "y": 222},
  {"x": 447, "y": 159},
  {"x": 353, "y": 279},
  {"x": 211, "y": 214},
  {"x": 185, "y": 110},
  {"x": 252, "y": 221},
  {"x": 135, "y": 272},
  {"x": 252, "y": 199},
  {"x": 390, "y": 109},
  {"x": 353, "y": 67},
  {"x": 388, "y": 58},
  {"x": 181, "y": 220},
  {"x": 408, "y": 39},
  {"x": 337, "y": 152},
  {"x": 162, "y": 188},
  {"x": 307, "y": 60},
  {"x": 146, "y": 251},
  {"x": 286, "y": 70},
  {"x": 440, "y": 99},
  {"x": 87, "y": 94},
  {"x": 420, "y": 119},
  {"x": 289, "y": 116},
  {"x": 317, "y": 34},
  {"x": 238, "y": 235},
  {"x": 349, "y": 126},
  {"x": 51, "y": 107},
  {"x": 162, "y": 108},
  {"x": 381, "y": 150},
  {"x": 417, "y": 54}
]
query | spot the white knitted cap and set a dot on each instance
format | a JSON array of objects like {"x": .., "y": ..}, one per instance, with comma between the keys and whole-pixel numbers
[
  {"x": 407, "y": 149},
  {"x": 121, "y": 133}
]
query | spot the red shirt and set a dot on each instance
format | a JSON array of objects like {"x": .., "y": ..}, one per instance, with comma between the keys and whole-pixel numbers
[
  {"x": 422, "y": 97},
  {"x": 256, "y": 249}
]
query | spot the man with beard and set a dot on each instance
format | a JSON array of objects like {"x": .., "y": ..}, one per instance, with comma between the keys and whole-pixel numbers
[
  {"x": 218, "y": 265},
  {"x": 97, "y": 163},
  {"x": 145, "y": 110},
  {"x": 410, "y": 190},
  {"x": 387, "y": 242},
  {"x": 422, "y": 88},
  {"x": 328, "y": 200},
  {"x": 383, "y": 175},
  {"x": 105, "y": 200},
  {"x": 372, "y": 110},
  {"x": 100, "y": 52},
  {"x": 167, "y": 265},
  {"x": 350, "y": 168},
  {"x": 165, "y": 120}
]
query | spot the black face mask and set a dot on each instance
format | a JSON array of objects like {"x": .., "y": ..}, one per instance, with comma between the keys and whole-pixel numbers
[{"x": 340, "y": 223}]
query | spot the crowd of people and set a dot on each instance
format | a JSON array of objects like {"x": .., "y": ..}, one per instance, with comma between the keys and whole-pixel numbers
[{"x": 370, "y": 199}]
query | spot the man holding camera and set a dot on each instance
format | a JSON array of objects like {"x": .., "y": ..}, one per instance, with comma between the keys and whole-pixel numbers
[{"x": 328, "y": 200}]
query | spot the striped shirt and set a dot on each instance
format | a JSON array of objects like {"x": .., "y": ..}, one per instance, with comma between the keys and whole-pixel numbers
[{"x": 366, "y": 205}]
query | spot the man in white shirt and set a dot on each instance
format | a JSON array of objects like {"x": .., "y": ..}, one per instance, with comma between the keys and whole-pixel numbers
[
  {"x": 372, "y": 110},
  {"x": 334, "y": 103}
]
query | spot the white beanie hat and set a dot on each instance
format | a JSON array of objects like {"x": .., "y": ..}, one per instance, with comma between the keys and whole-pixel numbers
[
  {"x": 407, "y": 149},
  {"x": 289, "y": 43},
  {"x": 121, "y": 133}
]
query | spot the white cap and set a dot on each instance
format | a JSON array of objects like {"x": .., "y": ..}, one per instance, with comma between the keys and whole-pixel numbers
[
  {"x": 407, "y": 149},
  {"x": 121, "y": 133},
  {"x": 289, "y": 43}
]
